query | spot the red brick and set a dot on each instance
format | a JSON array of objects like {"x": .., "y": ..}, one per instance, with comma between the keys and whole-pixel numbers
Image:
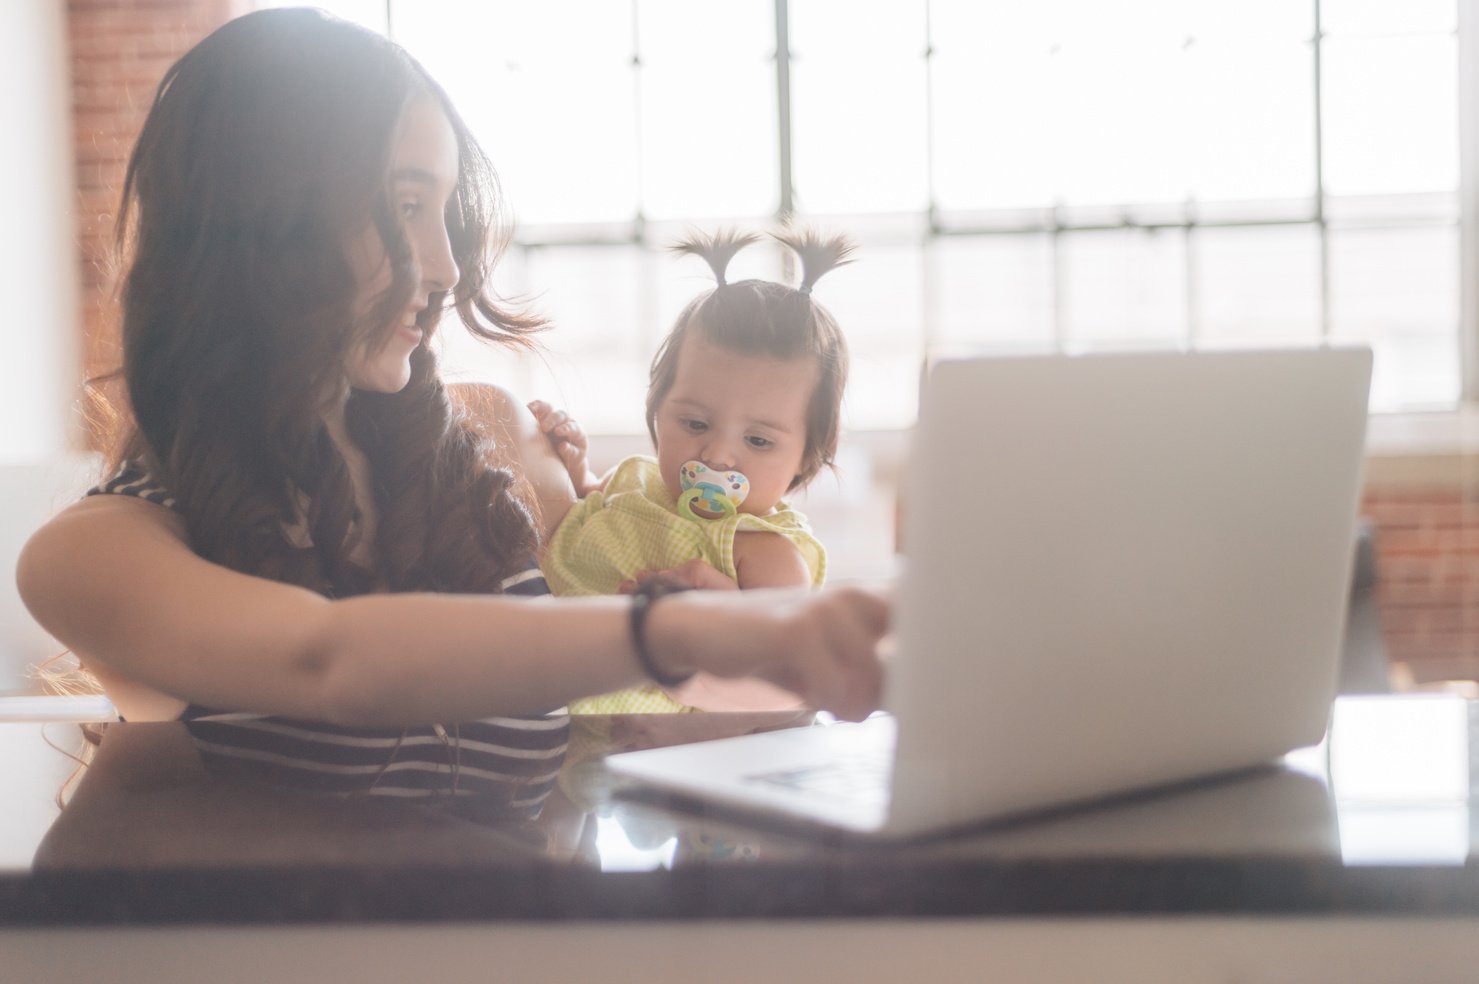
[
  {"x": 1450, "y": 515},
  {"x": 1415, "y": 568},
  {"x": 1410, "y": 494},
  {"x": 120, "y": 49},
  {"x": 1414, "y": 542},
  {"x": 1394, "y": 517},
  {"x": 1393, "y": 593},
  {"x": 1450, "y": 644}
]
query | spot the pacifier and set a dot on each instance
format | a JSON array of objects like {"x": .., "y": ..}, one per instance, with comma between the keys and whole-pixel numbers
[{"x": 709, "y": 494}]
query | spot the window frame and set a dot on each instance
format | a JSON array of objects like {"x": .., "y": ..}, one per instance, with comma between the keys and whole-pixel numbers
[
  {"x": 1468, "y": 171},
  {"x": 1057, "y": 221}
]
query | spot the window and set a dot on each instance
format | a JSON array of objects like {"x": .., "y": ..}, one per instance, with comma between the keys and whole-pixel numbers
[{"x": 1060, "y": 175}]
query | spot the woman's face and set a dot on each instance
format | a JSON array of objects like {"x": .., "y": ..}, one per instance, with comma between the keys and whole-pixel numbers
[{"x": 423, "y": 177}]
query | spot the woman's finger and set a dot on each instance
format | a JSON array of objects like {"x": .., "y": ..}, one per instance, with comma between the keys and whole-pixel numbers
[
  {"x": 855, "y": 664},
  {"x": 841, "y": 666}
]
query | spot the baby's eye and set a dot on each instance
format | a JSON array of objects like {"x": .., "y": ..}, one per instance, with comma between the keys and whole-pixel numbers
[
  {"x": 409, "y": 209},
  {"x": 693, "y": 426},
  {"x": 759, "y": 443}
]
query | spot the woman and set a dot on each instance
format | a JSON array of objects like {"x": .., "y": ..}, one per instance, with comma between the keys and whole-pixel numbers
[{"x": 306, "y": 526}]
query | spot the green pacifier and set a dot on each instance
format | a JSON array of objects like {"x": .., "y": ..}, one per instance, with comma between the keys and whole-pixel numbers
[{"x": 709, "y": 494}]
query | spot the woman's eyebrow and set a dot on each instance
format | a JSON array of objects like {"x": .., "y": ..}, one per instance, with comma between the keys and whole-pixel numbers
[{"x": 416, "y": 174}]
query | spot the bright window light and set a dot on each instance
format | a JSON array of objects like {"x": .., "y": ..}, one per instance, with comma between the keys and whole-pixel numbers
[{"x": 1062, "y": 174}]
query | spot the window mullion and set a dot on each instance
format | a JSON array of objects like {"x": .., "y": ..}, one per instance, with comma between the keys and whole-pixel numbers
[
  {"x": 1468, "y": 185},
  {"x": 787, "y": 205},
  {"x": 1318, "y": 40}
]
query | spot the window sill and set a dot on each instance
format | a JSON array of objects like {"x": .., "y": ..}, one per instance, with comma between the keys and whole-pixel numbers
[
  {"x": 1402, "y": 449},
  {"x": 1424, "y": 449}
]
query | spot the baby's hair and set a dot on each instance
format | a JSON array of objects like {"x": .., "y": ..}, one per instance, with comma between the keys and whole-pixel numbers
[
  {"x": 764, "y": 319},
  {"x": 818, "y": 255},
  {"x": 716, "y": 250}
]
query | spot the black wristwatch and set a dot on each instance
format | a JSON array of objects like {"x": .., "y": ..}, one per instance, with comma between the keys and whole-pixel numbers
[{"x": 648, "y": 591}]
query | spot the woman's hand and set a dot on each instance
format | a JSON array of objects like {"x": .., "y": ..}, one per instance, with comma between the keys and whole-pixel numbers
[
  {"x": 822, "y": 646},
  {"x": 569, "y": 440}
]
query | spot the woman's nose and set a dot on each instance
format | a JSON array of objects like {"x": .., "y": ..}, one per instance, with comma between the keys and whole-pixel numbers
[{"x": 439, "y": 271}]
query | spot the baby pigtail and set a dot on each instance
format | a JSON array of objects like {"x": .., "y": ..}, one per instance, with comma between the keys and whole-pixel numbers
[
  {"x": 818, "y": 255},
  {"x": 716, "y": 250}
]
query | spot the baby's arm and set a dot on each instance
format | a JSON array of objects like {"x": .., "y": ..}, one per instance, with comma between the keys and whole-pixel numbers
[
  {"x": 572, "y": 446},
  {"x": 762, "y": 560},
  {"x": 768, "y": 560}
]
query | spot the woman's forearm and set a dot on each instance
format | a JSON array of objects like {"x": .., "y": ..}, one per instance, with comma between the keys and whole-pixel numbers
[{"x": 399, "y": 659}]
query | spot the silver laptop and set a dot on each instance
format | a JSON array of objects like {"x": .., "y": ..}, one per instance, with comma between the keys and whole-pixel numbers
[{"x": 1121, "y": 571}]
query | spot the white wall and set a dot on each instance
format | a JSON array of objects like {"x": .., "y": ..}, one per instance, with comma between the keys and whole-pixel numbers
[
  {"x": 39, "y": 292},
  {"x": 40, "y": 341}
]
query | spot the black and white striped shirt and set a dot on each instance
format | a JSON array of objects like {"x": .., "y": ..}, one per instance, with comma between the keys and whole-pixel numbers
[{"x": 496, "y": 766}]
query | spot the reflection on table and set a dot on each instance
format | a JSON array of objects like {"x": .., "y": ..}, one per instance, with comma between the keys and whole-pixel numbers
[{"x": 1367, "y": 821}]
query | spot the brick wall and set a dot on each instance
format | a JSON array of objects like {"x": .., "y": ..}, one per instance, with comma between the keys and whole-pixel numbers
[
  {"x": 120, "y": 50},
  {"x": 1427, "y": 541}
]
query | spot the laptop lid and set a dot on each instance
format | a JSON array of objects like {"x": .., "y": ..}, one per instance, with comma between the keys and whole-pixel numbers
[{"x": 1122, "y": 570}]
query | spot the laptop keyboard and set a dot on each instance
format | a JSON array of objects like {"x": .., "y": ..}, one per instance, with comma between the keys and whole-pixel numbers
[{"x": 857, "y": 777}]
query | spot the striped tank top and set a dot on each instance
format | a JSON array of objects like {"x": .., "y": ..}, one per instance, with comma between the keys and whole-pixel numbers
[{"x": 497, "y": 767}]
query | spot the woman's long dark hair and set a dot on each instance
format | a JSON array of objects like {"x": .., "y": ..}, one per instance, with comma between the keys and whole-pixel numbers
[{"x": 267, "y": 149}]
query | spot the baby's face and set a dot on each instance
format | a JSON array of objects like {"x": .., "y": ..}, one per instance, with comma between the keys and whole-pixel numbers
[{"x": 736, "y": 413}]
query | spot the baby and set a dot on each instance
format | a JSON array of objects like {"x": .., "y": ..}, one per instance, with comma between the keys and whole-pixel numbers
[{"x": 743, "y": 407}]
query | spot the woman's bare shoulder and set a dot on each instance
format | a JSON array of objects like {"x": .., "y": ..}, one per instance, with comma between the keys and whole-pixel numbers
[
  {"x": 114, "y": 579},
  {"x": 489, "y": 405},
  {"x": 99, "y": 540},
  {"x": 110, "y": 536},
  {"x": 73, "y": 530},
  {"x": 499, "y": 414}
]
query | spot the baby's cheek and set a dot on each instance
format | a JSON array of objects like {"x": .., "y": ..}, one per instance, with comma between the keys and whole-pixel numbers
[
  {"x": 670, "y": 480},
  {"x": 757, "y": 506},
  {"x": 668, "y": 469}
]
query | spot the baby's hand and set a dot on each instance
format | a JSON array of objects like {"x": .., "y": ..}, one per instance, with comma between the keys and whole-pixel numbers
[
  {"x": 696, "y": 573},
  {"x": 569, "y": 441}
]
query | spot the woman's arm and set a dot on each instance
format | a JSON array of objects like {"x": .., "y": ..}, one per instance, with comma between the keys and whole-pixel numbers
[
  {"x": 114, "y": 580},
  {"x": 762, "y": 560}
]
